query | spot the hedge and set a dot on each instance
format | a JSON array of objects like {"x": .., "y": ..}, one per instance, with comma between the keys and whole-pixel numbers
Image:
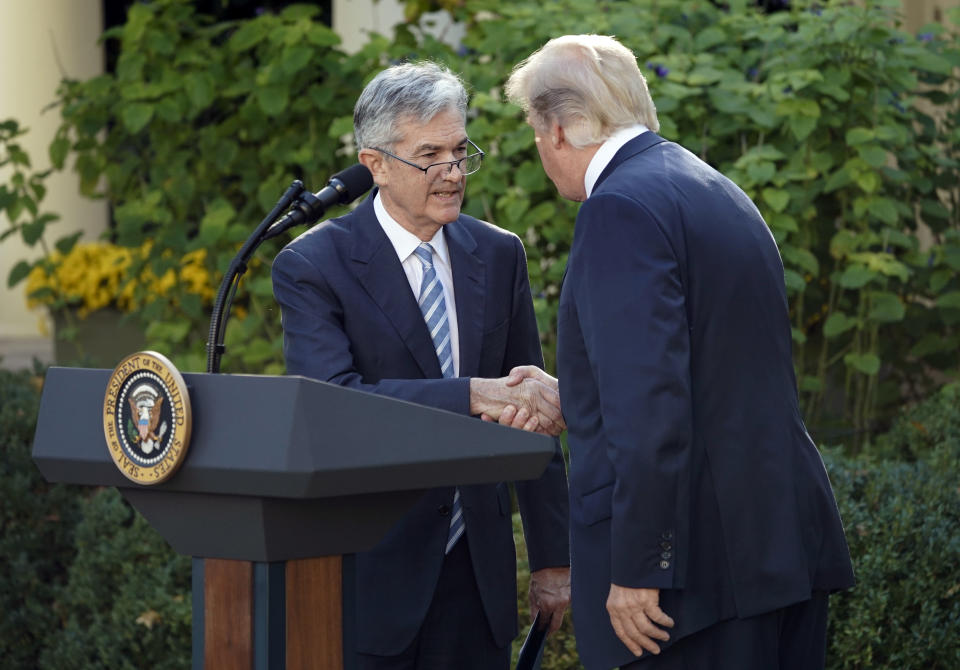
[{"x": 85, "y": 583}]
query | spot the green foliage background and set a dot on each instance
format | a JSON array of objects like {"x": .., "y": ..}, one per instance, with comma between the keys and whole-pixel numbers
[{"x": 840, "y": 126}]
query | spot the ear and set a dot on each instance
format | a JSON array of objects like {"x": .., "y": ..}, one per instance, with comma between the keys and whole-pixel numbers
[
  {"x": 373, "y": 161},
  {"x": 557, "y": 136}
]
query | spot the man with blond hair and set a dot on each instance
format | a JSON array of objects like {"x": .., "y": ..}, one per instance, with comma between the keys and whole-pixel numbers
[{"x": 704, "y": 532}]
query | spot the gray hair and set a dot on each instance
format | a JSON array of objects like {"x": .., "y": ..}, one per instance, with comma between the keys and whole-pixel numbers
[
  {"x": 589, "y": 84},
  {"x": 409, "y": 92}
]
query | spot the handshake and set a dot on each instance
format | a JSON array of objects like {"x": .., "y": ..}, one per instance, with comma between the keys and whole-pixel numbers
[{"x": 528, "y": 398}]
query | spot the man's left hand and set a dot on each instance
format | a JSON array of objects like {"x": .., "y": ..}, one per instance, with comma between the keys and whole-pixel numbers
[{"x": 550, "y": 594}]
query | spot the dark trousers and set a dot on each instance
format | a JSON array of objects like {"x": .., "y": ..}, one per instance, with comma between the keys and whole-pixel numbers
[
  {"x": 455, "y": 633},
  {"x": 792, "y": 638}
]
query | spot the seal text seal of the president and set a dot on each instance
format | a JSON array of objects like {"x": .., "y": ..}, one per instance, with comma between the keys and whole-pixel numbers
[{"x": 146, "y": 417}]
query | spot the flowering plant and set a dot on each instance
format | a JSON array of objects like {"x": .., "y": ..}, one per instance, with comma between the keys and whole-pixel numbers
[{"x": 95, "y": 275}]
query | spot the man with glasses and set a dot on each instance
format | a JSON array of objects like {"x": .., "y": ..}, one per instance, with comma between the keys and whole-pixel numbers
[{"x": 407, "y": 297}]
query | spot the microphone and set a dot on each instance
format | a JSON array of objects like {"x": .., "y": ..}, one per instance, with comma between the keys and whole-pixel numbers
[{"x": 343, "y": 187}]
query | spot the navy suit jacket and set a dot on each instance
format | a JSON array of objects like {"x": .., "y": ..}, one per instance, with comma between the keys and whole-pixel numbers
[
  {"x": 349, "y": 317},
  {"x": 690, "y": 467}
]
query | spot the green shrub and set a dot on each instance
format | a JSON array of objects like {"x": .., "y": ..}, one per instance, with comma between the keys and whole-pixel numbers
[
  {"x": 931, "y": 430},
  {"x": 126, "y": 604},
  {"x": 901, "y": 521},
  {"x": 84, "y": 582},
  {"x": 36, "y": 530}
]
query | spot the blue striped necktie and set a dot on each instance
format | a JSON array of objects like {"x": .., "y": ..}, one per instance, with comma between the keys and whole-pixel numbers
[{"x": 434, "y": 309}]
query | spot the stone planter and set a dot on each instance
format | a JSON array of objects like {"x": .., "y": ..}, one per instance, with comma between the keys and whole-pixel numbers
[{"x": 101, "y": 340}]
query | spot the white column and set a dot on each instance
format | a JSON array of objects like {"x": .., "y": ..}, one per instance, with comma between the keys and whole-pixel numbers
[
  {"x": 354, "y": 20},
  {"x": 41, "y": 42}
]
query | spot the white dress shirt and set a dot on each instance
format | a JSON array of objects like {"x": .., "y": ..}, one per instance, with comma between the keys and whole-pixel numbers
[
  {"x": 404, "y": 242},
  {"x": 606, "y": 152}
]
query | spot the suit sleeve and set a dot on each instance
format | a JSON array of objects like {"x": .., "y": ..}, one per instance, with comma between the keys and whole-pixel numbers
[
  {"x": 632, "y": 313},
  {"x": 315, "y": 344},
  {"x": 543, "y": 502}
]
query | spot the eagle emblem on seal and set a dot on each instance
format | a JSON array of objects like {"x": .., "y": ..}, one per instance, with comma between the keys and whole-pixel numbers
[{"x": 145, "y": 405}]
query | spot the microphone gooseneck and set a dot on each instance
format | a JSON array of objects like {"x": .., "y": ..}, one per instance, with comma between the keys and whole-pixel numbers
[{"x": 342, "y": 188}]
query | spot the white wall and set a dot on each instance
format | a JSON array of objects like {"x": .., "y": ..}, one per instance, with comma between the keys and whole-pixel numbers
[
  {"x": 42, "y": 41},
  {"x": 354, "y": 20}
]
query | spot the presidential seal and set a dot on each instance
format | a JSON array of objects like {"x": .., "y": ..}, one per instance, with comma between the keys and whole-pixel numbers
[{"x": 146, "y": 417}]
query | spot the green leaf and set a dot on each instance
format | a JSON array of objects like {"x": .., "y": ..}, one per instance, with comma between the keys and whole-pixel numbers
[
  {"x": 58, "y": 151},
  {"x": 219, "y": 214},
  {"x": 882, "y": 262},
  {"x": 709, "y": 37},
  {"x": 856, "y": 276},
  {"x": 939, "y": 279},
  {"x": 811, "y": 384},
  {"x": 295, "y": 58},
  {"x": 18, "y": 273},
  {"x": 248, "y": 35},
  {"x": 869, "y": 364},
  {"x": 884, "y": 209},
  {"x": 868, "y": 181},
  {"x": 257, "y": 351},
  {"x": 838, "y": 323},
  {"x": 32, "y": 232},
  {"x": 783, "y": 222},
  {"x": 65, "y": 244},
  {"x": 794, "y": 281},
  {"x": 949, "y": 300},
  {"x": 761, "y": 172},
  {"x": 874, "y": 155},
  {"x": 886, "y": 307},
  {"x": 844, "y": 243},
  {"x": 802, "y": 126},
  {"x": 778, "y": 199},
  {"x": 321, "y": 36},
  {"x": 199, "y": 87},
  {"x": 801, "y": 258},
  {"x": 340, "y": 126},
  {"x": 136, "y": 116},
  {"x": 857, "y": 136},
  {"x": 273, "y": 98},
  {"x": 168, "y": 331}
]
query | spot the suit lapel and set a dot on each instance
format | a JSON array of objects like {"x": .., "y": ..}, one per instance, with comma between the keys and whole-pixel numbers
[
  {"x": 469, "y": 287},
  {"x": 378, "y": 269}
]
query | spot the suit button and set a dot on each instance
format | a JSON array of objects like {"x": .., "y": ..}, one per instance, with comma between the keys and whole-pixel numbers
[
  {"x": 666, "y": 535},
  {"x": 664, "y": 565},
  {"x": 444, "y": 510},
  {"x": 666, "y": 554},
  {"x": 666, "y": 546}
]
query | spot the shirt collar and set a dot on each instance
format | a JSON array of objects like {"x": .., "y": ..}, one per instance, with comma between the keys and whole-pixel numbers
[
  {"x": 607, "y": 151},
  {"x": 404, "y": 242}
]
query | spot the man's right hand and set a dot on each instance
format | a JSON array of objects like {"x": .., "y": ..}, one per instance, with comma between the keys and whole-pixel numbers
[{"x": 528, "y": 398}]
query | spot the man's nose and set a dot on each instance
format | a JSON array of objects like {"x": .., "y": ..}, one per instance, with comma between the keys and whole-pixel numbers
[{"x": 448, "y": 172}]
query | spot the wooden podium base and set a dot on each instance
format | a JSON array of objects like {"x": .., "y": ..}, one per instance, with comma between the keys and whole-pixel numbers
[{"x": 269, "y": 616}]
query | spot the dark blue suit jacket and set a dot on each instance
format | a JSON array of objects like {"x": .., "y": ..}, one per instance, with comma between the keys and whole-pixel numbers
[
  {"x": 691, "y": 470},
  {"x": 349, "y": 317}
]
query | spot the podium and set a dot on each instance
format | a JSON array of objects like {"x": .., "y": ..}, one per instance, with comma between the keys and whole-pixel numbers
[{"x": 285, "y": 478}]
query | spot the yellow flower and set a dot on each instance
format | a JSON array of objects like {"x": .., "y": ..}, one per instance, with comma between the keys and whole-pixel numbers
[{"x": 95, "y": 275}]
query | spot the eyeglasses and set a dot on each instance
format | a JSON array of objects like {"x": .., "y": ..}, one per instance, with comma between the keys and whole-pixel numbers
[{"x": 467, "y": 165}]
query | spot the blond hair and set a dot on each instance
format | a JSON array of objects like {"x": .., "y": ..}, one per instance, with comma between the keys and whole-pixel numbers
[{"x": 589, "y": 84}]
